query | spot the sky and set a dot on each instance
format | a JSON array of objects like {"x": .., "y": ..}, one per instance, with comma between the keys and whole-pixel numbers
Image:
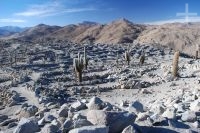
[{"x": 27, "y": 13}]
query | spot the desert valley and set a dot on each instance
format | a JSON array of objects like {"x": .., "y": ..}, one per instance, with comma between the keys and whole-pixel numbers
[{"x": 118, "y": 77}]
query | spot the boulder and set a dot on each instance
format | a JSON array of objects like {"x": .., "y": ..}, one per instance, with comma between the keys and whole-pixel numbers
[
  {"x": 157, "y": 108},
  {"x": 63, "y": 111},
  {"x": 3, "y": 118},
  {"x": 97, "y": 117},
  {"x": 195, "y": 106},
  {"x": 170, "y": 113},
  {"x": 90, "y": 129},
  {"x": 27, "y": 112},
  {"x": 189, "y": 116},
  {"x": 95, "y": 104},
  {"x": 49, "y": 128},
  {"x": 78, "y": 105},
  {"x": 27, "y": 126},
  {"x": 116, "y": 121},
  {"x": 81, "y": 122},
  {"x": 135, "y": 107},
  {"x": 129, "y": 129}
]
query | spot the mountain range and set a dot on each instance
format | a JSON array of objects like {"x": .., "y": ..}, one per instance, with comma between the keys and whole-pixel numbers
[{"x": 179, "y": 36}]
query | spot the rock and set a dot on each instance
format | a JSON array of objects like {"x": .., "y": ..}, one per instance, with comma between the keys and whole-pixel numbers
[
  {"x": 180, "y": 108},
  {"x": 78, "y": 105},
  {"x": 97, "y": 117},
  {"x": 95, "y": 104},
  {"x": 68, "y": 124},
  {"x": 41, "y": 122},
  {"x": 24, "y": 105},
  {"x": 81, "y": 122},
  {"x": 8, "y": 121},
  {"x": 196, "y": 124},
  {"x": 170, "y": 113},
  {"x": 27, "y": 126},
  {"x": 129, "y": 129},
  {"x": 157, "y": 109},
  {"x": 195, "y": 106},
  {"x": 12, "y": 103},
  {"x": 157, "y": 119},
  {"x": 56, "y": 123},
  {"x": 136, "y": 107},
  {"x": 63, "y": 111},
  {"x": 49, "y": 118},
  {"x": 145, "y": 91},
  {"x": 78, "y": 116},
  {"x": 11, "y": 125},
  {"x": 27, "y": 112},
  {"x": 189, "y": 116},
  {"x": 90, "y": 129},
  {"x": 116, "y": 121},
  {"x": 142, "y": 116},
  {"x": 49, "y": 128},
  {"x": 3, "y": 118}
]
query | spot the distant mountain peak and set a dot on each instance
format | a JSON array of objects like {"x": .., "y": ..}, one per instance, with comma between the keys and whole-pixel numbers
[{"x": 90, "y": 23}]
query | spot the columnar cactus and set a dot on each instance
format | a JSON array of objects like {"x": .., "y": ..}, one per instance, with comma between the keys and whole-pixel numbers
[
  {"x": 197, "y": 52},
  {"x": 78, "y": 67},
  {"x": 127, "y": 57},
  {"x": 117, "y": 60},
  {"x": 175, "y": 64},
  {"x": 85, "y": 61},
  {"x": 142, "y": 58}
]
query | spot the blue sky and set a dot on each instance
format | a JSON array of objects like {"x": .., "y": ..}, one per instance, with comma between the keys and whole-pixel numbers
[{"x": 62, "y": 12}]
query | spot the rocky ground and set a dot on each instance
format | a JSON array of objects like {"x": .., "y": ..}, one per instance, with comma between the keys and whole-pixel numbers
[{"x": 40, "y": 92}]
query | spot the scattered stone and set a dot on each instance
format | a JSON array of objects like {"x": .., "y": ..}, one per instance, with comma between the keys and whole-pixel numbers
[
  {"x": 129, "y": 129},
  {"x": 49, "y": 128},
  {"x": 157, "y": 108},
  {"x": 170, "y": 113},
  {"x": 195, "y": 106},
  {"x": 116, "y": 121},
  {"x": 81, "y": 122},
  {"x": 3, "y": 118},
  {"x": 6, "y": 122},
  {"x": 136, "y": 107},
  {"x": 157, "y": 119},
  {"x": 142, "y": 116},
  {"x": 95, "y": 104},
  {"x": 189, "y": 116},
  {"x": 90, "y": 129},
  {"x": 68, "y": 124},
  {"x": 78, "y": 105},
  {"x": 63, "y": 111},
  {"x": 27, "y": 126},
  {"x": 97, "y": 117},
  {"x": 11, "y": 125}
]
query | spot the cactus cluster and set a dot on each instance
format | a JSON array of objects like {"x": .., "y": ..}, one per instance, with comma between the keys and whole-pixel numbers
[{"x": 175, "y": 64}]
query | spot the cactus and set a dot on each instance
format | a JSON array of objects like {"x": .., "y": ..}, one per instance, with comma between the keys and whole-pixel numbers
[
  {"x": 196, "y": 55},
  {"x": 142, "y": 58},
  {"x": 127, "y": 57},
  {"x": 117, "y": 60},
  {"x": 197, "y": 52},
  {"x": 85, "y": 61},
  {"x": 78, "y": 67},
  {"x": 175, "y": 64}
]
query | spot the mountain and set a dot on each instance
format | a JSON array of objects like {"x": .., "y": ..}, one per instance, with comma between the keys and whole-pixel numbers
[
  {"x": 179, "y": 36},
  {"x": 9, "y": 30},
  {"x": 35, "y": 33}
]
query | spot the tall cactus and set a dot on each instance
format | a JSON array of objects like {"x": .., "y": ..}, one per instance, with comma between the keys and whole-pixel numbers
[
  {"x": 197, "y": 52},
  {"x": 127, "y": 57},
  {"x": 142, "y": 58},
  {"x": 175, "y": 64},
  {"x": 85, "y": 60},
  {"x": 78, "y": 67},
  {"x": 117, "y": 60}
]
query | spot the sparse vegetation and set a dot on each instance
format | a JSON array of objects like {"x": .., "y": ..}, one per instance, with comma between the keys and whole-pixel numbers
[{"x": 175, "y": 64}]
